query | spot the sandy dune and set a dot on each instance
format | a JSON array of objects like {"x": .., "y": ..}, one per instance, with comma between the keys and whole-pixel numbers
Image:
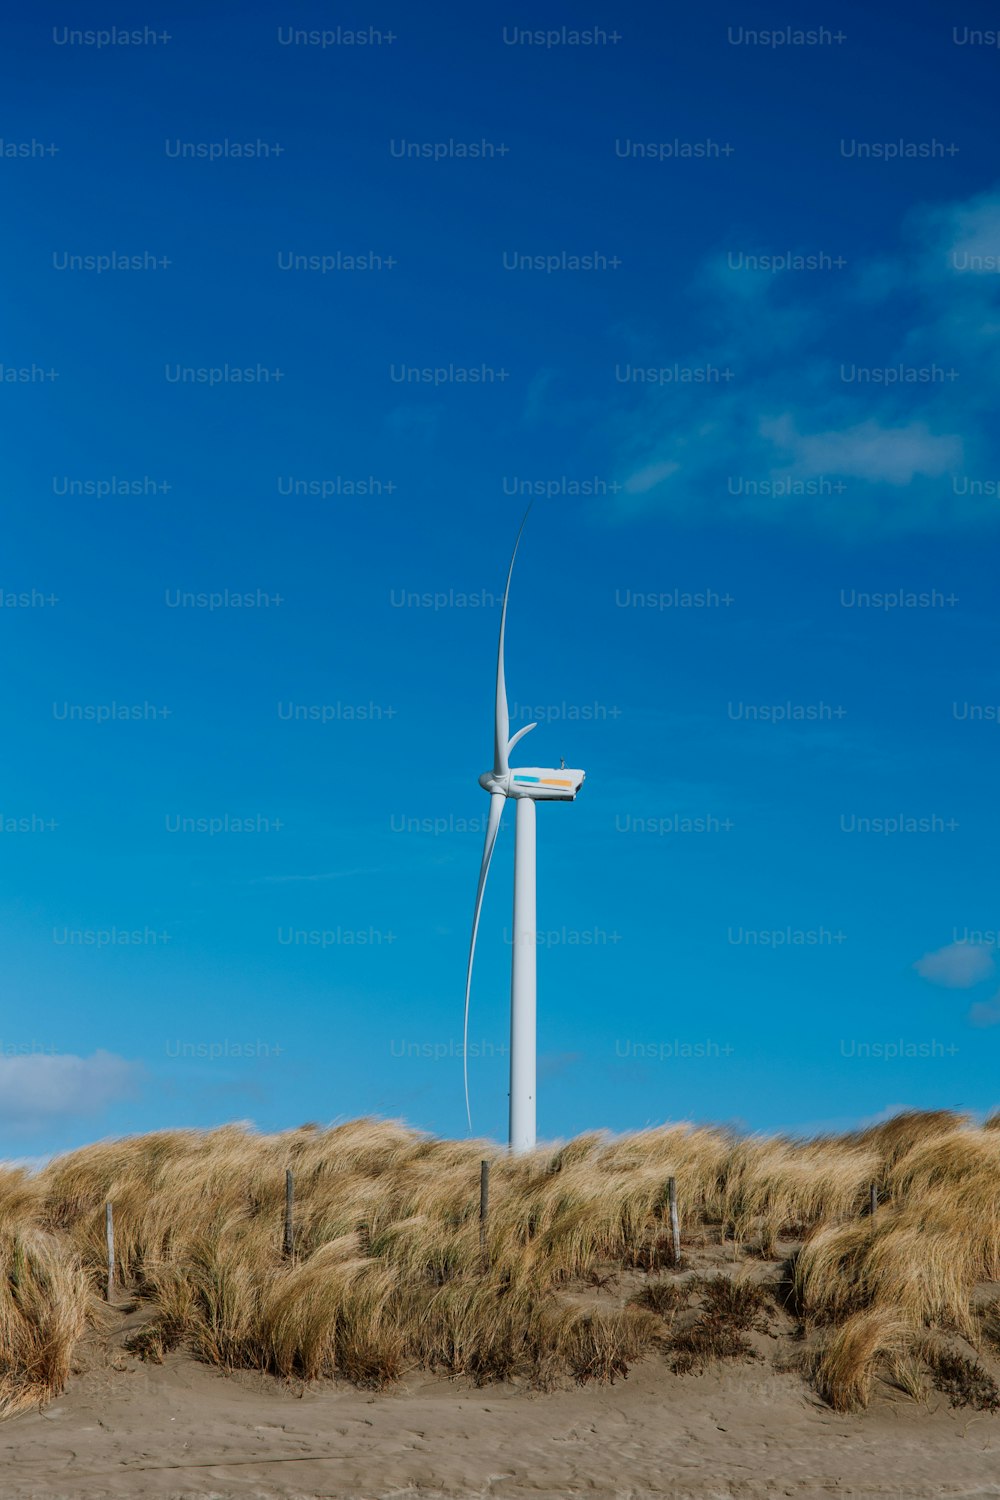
[
  {"x": 752, "y": 1425},
  {"x": 182, "y": 1429}
]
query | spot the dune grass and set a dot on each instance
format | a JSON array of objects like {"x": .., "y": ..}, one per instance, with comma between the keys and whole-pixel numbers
[
  {"x": 388, "y": 1272},
  {"x": 45, "y": 1299}
]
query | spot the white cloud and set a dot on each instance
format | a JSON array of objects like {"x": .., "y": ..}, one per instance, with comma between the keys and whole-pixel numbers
[
  {"x": 967, "y": 235},
  {"x": 987, "y": 1013},
  {"x": 653, "y": 474},
  {"x": 868, "y": 450},
  {"x": 43, "y": 1086},
  {"x": 958, "y": 966}
]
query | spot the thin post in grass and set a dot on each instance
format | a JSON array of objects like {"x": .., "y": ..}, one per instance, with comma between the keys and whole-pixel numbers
[
  {"x": 872, "y": 1200},
  {"x": 109, "y": 1234},
  {"x": 675, "y": 1223},
  {"x": 484, "y": 1202},
  {"x": 289, "y": 1203}
]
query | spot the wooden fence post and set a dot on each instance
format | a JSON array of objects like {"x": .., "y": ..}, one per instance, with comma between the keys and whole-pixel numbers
[
  {"x": 675, "y": 1223},
  {"x": 872, "y": 1200},
  {"x": 109, "y": 1232},
  {"x": 289, "y": 1202},
  {"x": 484, "y": 1201}
]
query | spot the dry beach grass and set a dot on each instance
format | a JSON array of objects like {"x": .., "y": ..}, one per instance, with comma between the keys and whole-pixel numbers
[{"x": 575, "y": 1281}]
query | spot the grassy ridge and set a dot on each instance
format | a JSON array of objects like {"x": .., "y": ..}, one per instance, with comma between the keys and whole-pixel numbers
[{"x": 388, "y": 1272}]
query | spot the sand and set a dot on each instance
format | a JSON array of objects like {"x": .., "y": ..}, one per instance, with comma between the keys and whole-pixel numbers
[{"x": 124, "y": 1428}]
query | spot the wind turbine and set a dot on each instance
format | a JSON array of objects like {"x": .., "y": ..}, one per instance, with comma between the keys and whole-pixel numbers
[{"x": 526, "y": 786}]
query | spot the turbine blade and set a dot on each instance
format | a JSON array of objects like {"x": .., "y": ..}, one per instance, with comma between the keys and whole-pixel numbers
[
  {"x": 502, "y": 721},
  {"x": 497, "y": 800},
  {"x": 519, "y": 736}
]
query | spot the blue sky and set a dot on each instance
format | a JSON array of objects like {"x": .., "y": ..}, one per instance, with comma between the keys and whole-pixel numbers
[{"x": 729, "y": 310}]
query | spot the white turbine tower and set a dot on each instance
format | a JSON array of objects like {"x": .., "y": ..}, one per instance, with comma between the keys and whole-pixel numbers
[{"x": 526, "y": 786}]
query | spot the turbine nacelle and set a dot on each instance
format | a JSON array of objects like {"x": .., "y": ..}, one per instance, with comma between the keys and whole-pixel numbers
[{"x": 540, "y": 783}]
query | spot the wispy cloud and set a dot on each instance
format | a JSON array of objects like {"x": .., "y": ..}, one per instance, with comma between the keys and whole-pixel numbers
[
  {"x": 797, "y": 433},
  {"x": 652, "y": 475}
]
